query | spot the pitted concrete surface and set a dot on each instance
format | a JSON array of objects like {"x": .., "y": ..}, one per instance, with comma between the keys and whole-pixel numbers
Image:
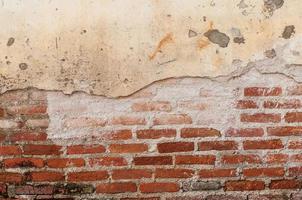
[{"x": 116, "y": 47}]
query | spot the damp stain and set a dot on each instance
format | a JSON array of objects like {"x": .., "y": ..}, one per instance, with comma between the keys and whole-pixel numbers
[
  {"x": 163, "y": 42},
  {"x": 10, "y": 41},
  {"x": 270, "y": 6},
  {"x": 192, "y": 33},
  {"x": 23, "y": 66},
  {"x": 217, "y": 37},
  {"x": 288, "y": 32},
  {"x": 239, "y": 40},
  {"x": 271, "y": 53}
]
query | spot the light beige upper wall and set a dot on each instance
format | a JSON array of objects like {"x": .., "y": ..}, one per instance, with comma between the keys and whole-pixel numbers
[{"x": 116, "y": 47}]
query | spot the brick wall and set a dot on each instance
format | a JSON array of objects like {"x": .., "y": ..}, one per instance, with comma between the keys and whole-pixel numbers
[{"x": 178, "y": 139}]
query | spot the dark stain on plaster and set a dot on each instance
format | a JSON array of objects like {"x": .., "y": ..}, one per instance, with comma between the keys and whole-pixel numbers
[
  {"x": 271, "y": 5},
  {"x": 192, "y": 33},
  {"x": 239, "y": 40},
  {"x": 10, "y": 42},
  {"x": 23, "y": 66},
  {"x": 288, "y": 32},
  {"x": 270, "y": 53},
  {"x": 217, "y": 37}
]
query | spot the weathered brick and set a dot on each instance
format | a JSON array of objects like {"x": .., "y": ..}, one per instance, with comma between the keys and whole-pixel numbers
[
  {"x": 34, "y": 190},
  {"x": 174, "y": 173},
  {"x": 152, "y": 106},
  {"x": 153, "y": 160},
  {"x": 128, "y": 148},
  {"x": 283, "y": 104},
  {"x": 262, "y": 91},
  {"x": 159, "y": 187},
  {"x": 131, "y": 174},
  {"x": 217, "y": 145},
  {"x": 240, "y": 159},
  {"x": 155, "y": 133},
  {"x": 171, "y": 147},
  {"x": 295, "y": 145},
  {"x": 128, "y": 120},
  {"x": 23, "y": 162},
  {"x": 65, "y": 162},
  {"x": 116, "y": 135},
  {"x": 201, "y": 186},
  {"x": 82, "y": 149},
  {"x": 246, "y": 104},
  {"x": 87, "y": 176},
  {"x": 10, "y": 150},
  {"x": 28, "y": 136},
  {"x": 73, "y": 189},
  {"x": 10, "y": 177},
  {"x": 245, "y": 132},
  {"x": 267, "y": 172},
  {"x": 199, "y": 132},
  {"x": 108, "y": 161},
  {"x": 214, "y": 173},
  {"x": 285, "y": 184},
  {"x": 263, "y": 144},
  {"x": 277, "y": 158},
  {"x": 295, "y": 171},
  {"x": 285, "y": 131},
  {"x": 244, "y": 185},
  {"x": 269, "y": 197},
  {"x": 292, "y": 117},
  {"x": 195, "y": 160},
  {"x": 166, "y": 119},
  {"x": 32, "y": 149},
  {"x": 114, "y": 188},
  {"x": 260, "y": 118},
  {"x": 27, "y": 110}
]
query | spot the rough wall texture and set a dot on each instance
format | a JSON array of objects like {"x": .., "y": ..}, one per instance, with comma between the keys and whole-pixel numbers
[
  {"x": 179, "y": 139},
  {"x": 99, "y": 47}
]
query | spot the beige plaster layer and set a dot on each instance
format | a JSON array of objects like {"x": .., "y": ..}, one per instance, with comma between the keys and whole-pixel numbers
[{"x": 116, "y": 47}]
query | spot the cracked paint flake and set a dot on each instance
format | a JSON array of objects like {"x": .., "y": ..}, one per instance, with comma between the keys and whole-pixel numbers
[{"x": 101, "y": 48}]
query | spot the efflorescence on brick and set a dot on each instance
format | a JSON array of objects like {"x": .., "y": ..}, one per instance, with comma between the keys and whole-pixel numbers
[{"x": 242, "y": 143}]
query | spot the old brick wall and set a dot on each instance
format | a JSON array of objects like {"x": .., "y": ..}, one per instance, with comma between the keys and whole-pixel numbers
[{"x": 186, "y": 138}]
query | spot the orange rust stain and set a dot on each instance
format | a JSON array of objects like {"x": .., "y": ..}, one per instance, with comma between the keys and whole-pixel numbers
[
  {"x": 202, "y": 43},
  {"x": 166, "y": 40}
]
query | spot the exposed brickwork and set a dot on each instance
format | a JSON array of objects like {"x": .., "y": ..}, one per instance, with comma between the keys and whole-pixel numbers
[{"x": 152, "y": 147}]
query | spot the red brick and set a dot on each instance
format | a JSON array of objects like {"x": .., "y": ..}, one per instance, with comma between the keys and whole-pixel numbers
[
  {"x": 284, "y": 104},
  {"x": 153, "y": 160},
  {"x": 156, "y": 133},
  {"x": 14, "y": 96},
  {"x": 10, "y": 177},
  {"x": 240, "y": 159},
  {"x": 87, "y": 176},
  {"x": 285, "y": 131},
  {"x": 23, "y": 162},
  {"x": 128, "y": 148},
  {"x": 199, "y": 132},
  {"x": 46, "y": 176},
  {"x": 217, "y": 145},
  {"x": 262, "y": 91},
  {"x": 214, "y": 173},
  {"x": 117, "y": 135},
  {"x": 246, "y": 104},
  {"x": 65, "y": 162},
  {"x": 293, "y": 117},
  {"x": 245, "y": 132},
  {"x": 2, "y": 112},
  {"x": 131, "y": 174},
  {"x": 32, "y": 149},
  {"x": 195, "y": 160},
  {"x": 128, "y": 120},
  {"x": 82, "y": 149},
  {"x": 37, "y": 123},
  {"x": 152, "y": 106},
  {"x": 10, "y": 150},
  {"x": 267, "y": 172},
  {"x": 150, "y": 198},
  {"x": 295, "y": 171},
  {"x": 172, "y": 119},
  {"x": 2, "y": 188},
  {"x": 108, "y": 161},
  {"x": 192, "y": 105},
  {"x": 276, "y": 158},
  {"x": 159, "y": 187},
  {"x": 285, "y": 184},
  {"x": 174, "y": 173},
  {"x": 260, "y": 118},
  {"x": 296, "y": 158},
  {"x": 28, "y": 136},
  {"x": 27, "y": 110},
  {"x": 244, "y": 185},
  {"x": 263, "y": 144},
  {"x": 295, "y": 145},
  {"x": 171, "y": 147},
  {"x": 2, "y": 137},
  {"x": 114, "y": 188}
]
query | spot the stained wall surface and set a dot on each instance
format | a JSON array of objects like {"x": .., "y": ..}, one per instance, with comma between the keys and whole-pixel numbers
[{"x": 116, "y": 47}]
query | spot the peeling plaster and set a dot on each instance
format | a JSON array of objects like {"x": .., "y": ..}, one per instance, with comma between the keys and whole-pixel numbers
[{"x": 101, "y": 48}]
